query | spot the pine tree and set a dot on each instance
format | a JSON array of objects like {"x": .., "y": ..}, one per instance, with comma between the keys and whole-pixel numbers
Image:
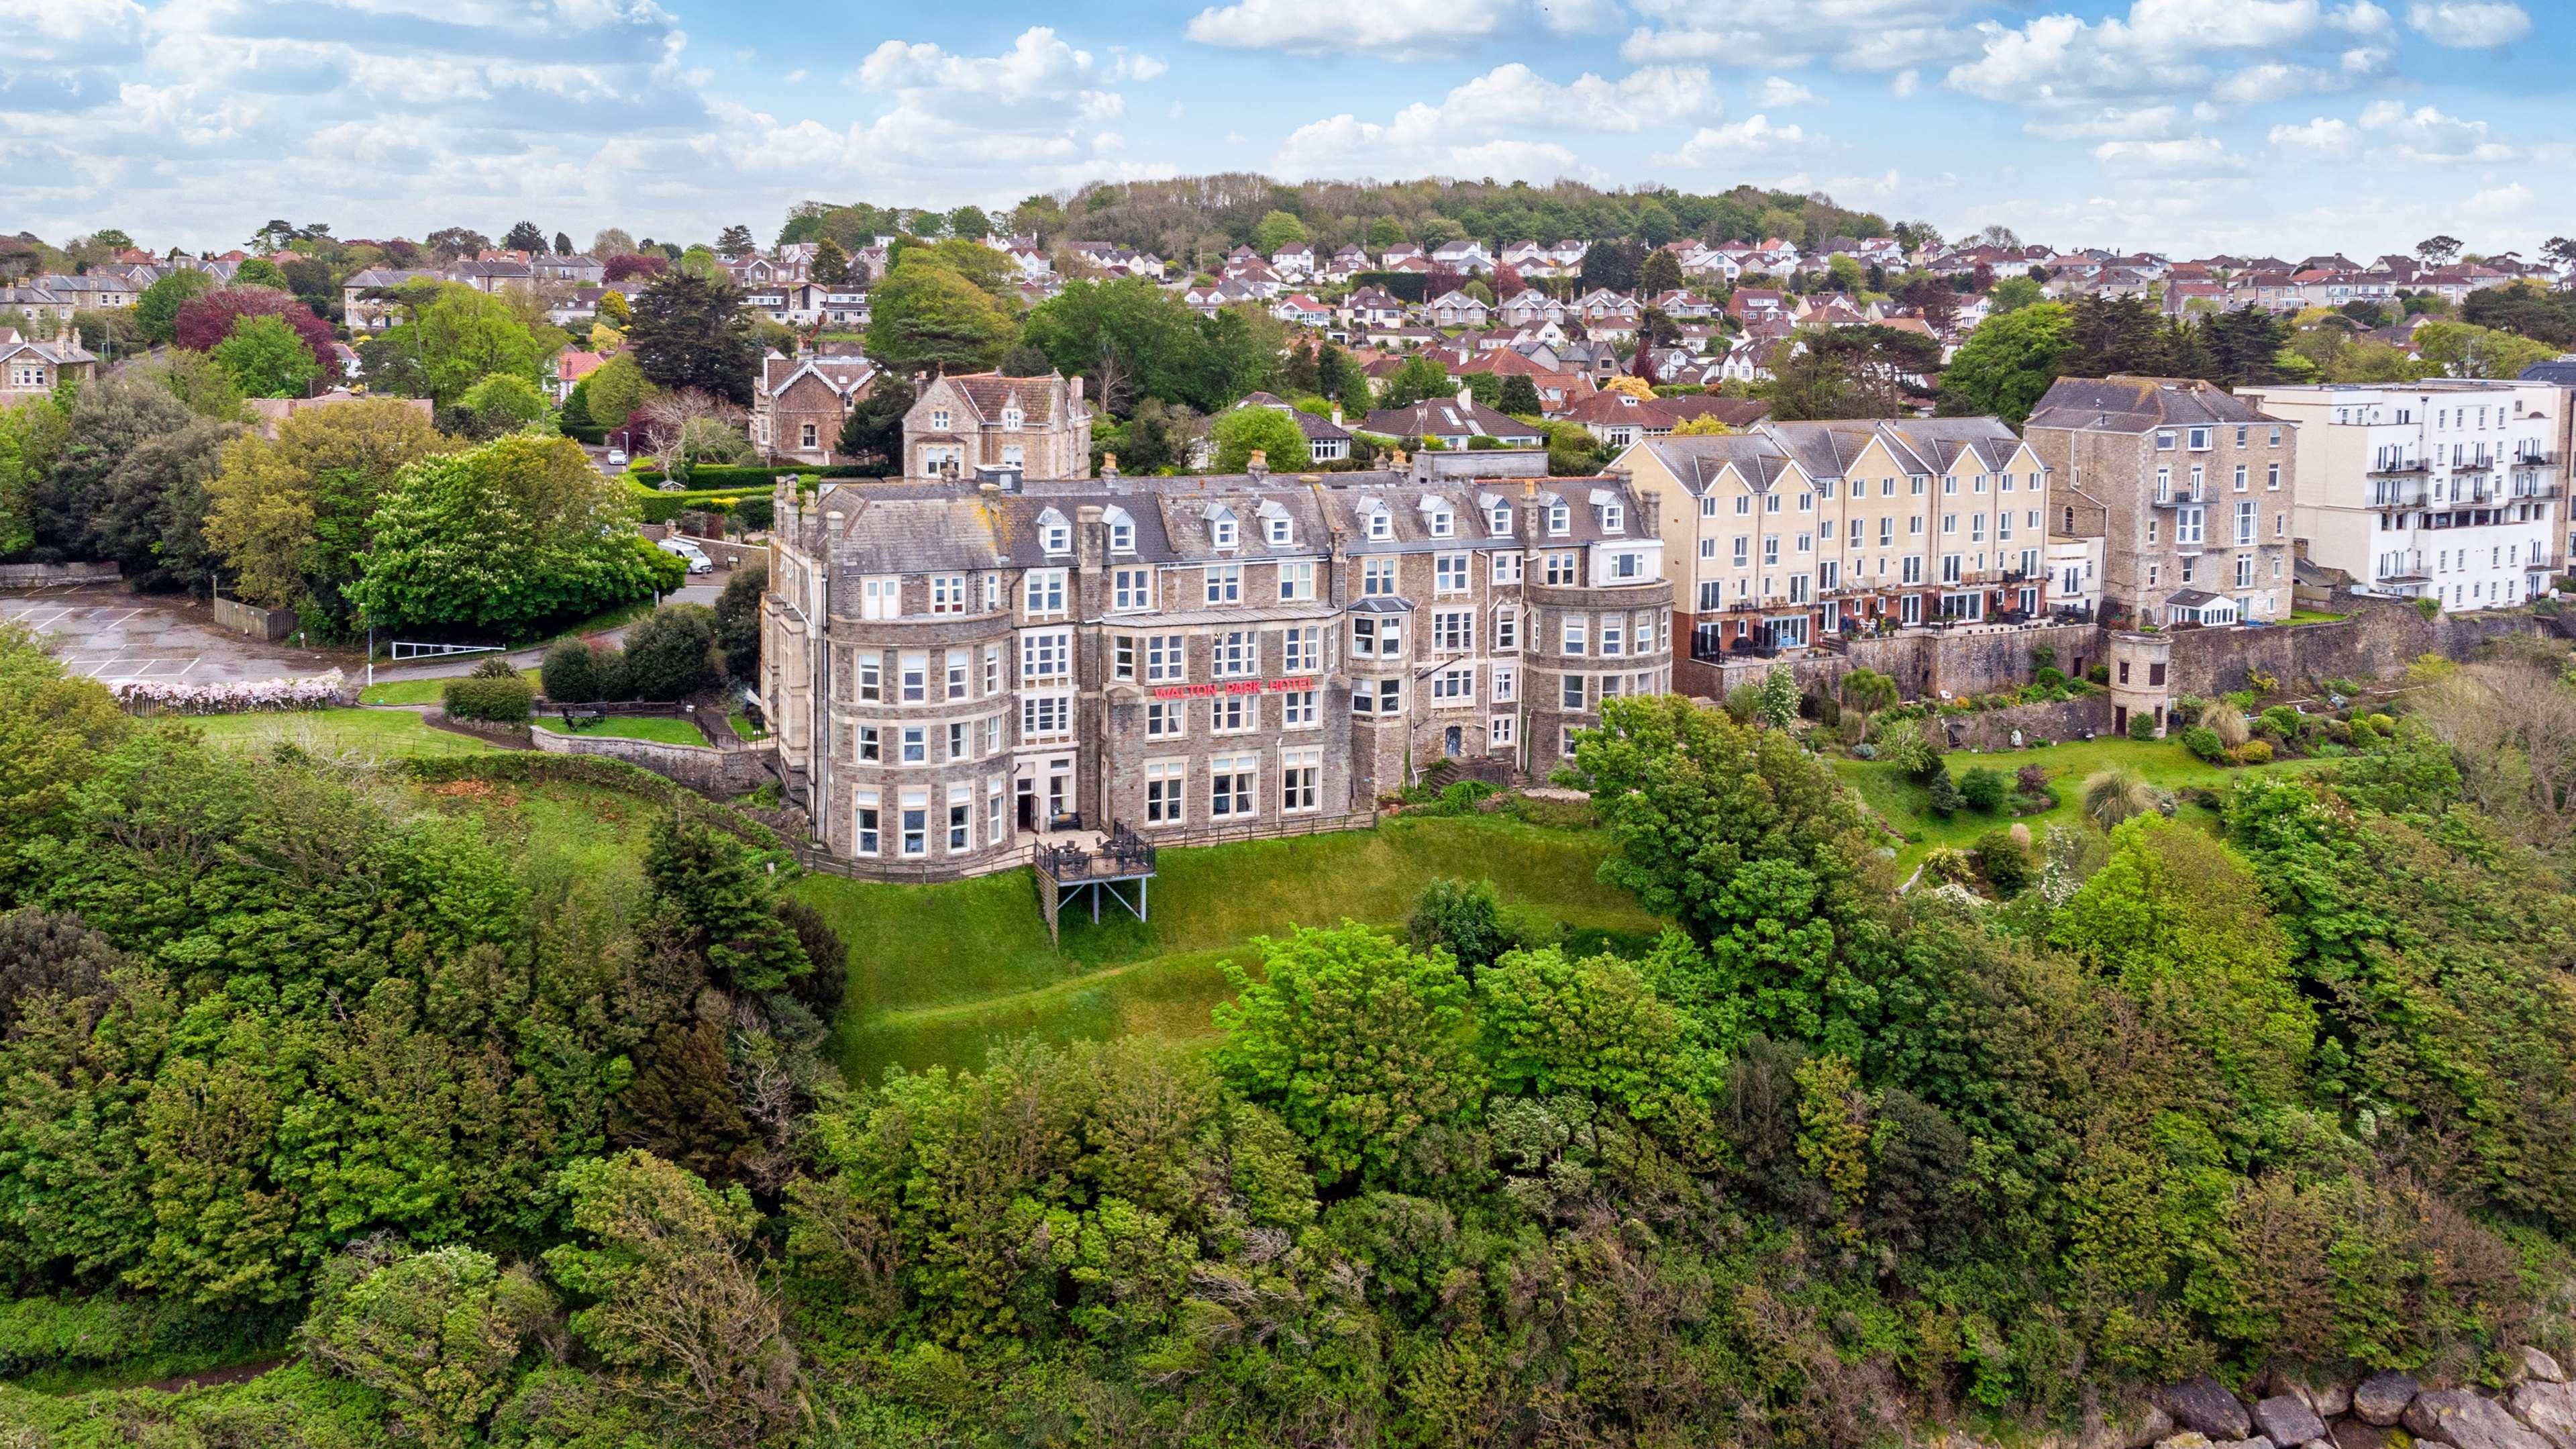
[{"x": 831, "y": 264}]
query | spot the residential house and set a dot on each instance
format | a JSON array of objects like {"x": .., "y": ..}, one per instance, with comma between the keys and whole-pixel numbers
[
  {"x": 1327, "y": 441},
  {"x": 577, "y": 271},
  {"x": 1528, "y": 307},
  {"x": 1748, "y": 305},
  {"x": 493, "y": 274},
  {"x": 2440, "y": 489},
  {"x": 30, "y": 367},
  {"x": 1301, "y": 310},
  {"x": 1470, "y": 257},
  {"x": 1343, "y": 265},
  {"x": 1295, "y": 261},
  {"x": 366, "y": 314},
  {"x": 2190, "y": 488},
  {"x": 1457, "y": 309},
  {"x": 1037, "y": 427},
  {"x": 567, "y": 368},
  {"x": 799, "y": 403},
  {"x": 1452, "y": 423},
  {"x": 1373, "y": 307}
]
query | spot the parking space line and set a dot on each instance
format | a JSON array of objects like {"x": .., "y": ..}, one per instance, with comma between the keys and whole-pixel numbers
[
  {"x": 191, "y": 664},
  {"x": 118, "y": 621}
]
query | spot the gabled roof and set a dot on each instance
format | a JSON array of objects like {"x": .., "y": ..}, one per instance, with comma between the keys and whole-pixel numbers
[{"x": 2137, "y": 404}]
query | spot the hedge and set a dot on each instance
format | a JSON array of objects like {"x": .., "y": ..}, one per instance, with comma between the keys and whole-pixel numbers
[
  {"x": 593, "y": 434},
  {"x": 497, "y": 701}
]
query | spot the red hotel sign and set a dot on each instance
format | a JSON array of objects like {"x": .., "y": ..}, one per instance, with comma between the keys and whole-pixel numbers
[{"x": 1240, "y": 686}]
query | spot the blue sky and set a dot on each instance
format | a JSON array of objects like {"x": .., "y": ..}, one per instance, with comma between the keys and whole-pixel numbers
[{"x": 2285, "y": 126}]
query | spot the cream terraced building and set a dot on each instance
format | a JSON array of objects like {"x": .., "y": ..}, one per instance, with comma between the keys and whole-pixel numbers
[{"x": 1786, "y": 534}]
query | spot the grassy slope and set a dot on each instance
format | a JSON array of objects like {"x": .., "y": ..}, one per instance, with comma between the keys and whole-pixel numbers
[
  {"x": 937, "y": 972},
  {"x": 1907, "y": 805},
  {"x": 374, "y": 732},
  {"x": 633, "y": 727}
]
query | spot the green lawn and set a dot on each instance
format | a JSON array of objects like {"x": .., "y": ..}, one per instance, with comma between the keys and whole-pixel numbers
[
  {"x": 632, "y": 727},
  {"x": 586, "y": 841},
  {"x": 2314, "y": 616},
  {"x": 1908, "y": 806},
  {"x": 418, "y": 691},
  {"x": 381, "y": 733},
  {"x": 937, "y": 972}
]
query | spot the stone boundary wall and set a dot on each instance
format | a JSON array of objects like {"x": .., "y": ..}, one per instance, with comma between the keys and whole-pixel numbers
[
  {"x": 2379, "y": 639},
  {"x": 2052, "y": 722},
  {"x": 36, "y": 576},
  {"x": 722, "y": 773},
  {"x": 727, "y": 553}
]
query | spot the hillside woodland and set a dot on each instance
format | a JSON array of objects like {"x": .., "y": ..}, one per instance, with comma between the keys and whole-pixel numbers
[{"x": 294, "y": 1068}]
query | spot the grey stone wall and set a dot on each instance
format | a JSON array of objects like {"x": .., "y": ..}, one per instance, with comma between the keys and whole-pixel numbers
[
  {"x": 31, "y": 575},
  {"x": 2379, "y": 639},
  {"x": 715, "y": 772},
  {"x": 2040, "y": 724}
]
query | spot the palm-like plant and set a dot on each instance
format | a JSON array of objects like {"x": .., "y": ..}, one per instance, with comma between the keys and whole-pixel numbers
[{"x": 2113, "y": 794}]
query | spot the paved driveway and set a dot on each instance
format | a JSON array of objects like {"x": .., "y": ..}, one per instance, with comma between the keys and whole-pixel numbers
[{"x": 107, "y": 634}]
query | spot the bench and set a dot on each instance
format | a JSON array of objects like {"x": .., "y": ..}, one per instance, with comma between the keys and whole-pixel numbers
[{"x": 575, "y": 718}]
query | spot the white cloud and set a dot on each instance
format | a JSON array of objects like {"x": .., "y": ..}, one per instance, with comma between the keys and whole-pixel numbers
[
  {"x": 2510, "y": 199},
  {"x": 2162, "y": 46},
  {"x": 1478, "y": 119},
  {"x": 797, "y": 75},
  {"x": 1907, "y": 82},
  {"x": 2427, "y": 134},
  {"x": 2469, "y": 24},
  {"x": 2323, "y": 135},
  {"x": 2200, "y": 155},
  {"x": 1779, "y": 91},
  {"x": 1386, "y": 28},
  {"x": 2112, "y": 123},
  {"x": 1859, "y": 35},
  {"x": 1719, "y": 146}
]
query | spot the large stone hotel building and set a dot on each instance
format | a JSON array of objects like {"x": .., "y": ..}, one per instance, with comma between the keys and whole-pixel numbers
[{"x": 997, "y": 647}]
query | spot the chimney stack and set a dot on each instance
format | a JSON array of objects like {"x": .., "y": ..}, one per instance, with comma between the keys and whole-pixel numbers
[
  {"x": 1109, "y": 465},
  {"x": 1259, "y": 464},
  {"x": 1077, "y": 387}
]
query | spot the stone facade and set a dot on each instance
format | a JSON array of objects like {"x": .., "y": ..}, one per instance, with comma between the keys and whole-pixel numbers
[
  {"x": 952, "y": 667},
  {"x": 1039, "y": 427},
  {"x": 2189, "y": 488}
]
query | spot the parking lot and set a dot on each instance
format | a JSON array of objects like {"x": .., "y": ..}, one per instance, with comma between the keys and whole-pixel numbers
[{"x": 108, "y": 635}]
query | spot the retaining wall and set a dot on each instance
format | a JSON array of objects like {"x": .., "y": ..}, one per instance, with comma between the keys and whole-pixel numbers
[
  {"x": 2379, "y": 639},
  {"x": 32, "y": 575},
  {"x": 721, "y": 773},
  {"x": 2040, "y": 724}
]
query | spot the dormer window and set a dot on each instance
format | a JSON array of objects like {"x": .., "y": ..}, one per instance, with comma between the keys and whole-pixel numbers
[
  {"x": 1498, "y": 520},
  {"x": 1122, "y": 530},
  {"x": 1443, "y": 523},
  {"x": 1221, "y": 532},
  {"x": 1381, "y": 524},
  {"x": 1610, "y": 518},
  {"x": 1560, "y": 519},
  {"x": 1055, "y": 535},
  {"x": 1279, "y": 530},
  {"x": 1013, "y": 419}
]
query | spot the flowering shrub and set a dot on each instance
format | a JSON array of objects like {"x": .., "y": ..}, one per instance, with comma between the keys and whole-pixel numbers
[{"x": 184, "y": 696}]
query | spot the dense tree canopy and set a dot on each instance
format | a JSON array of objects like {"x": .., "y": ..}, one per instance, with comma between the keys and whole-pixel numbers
[{"x": 501, "y": 538}]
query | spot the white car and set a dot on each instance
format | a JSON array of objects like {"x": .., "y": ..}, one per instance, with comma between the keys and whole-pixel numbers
[
  {"x": 694, "y": 556},
  {"x": 617, "y": 457}
]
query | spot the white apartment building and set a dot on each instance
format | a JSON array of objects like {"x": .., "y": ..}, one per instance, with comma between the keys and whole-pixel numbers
[{"x": 2439, "y": 489}]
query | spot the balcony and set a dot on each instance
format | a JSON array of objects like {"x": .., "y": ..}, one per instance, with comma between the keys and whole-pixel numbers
[
  {"x": 2552, "y": 561},
  {"x": 2399, "y": 468},
  {"x": 2535, "y": 460},
  {"x": 2186, "y": 497},
  {"x": 2398, "y": 496}
]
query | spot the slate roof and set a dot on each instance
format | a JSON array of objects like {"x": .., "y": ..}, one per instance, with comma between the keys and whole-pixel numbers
[{"x": 2139, "y": 404}]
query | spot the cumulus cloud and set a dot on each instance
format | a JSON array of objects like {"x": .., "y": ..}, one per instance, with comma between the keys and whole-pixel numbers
[
  {"x": 2428, "y": 134},
  {"x": 1386, "y": 28},
  {"x": 1778, "y": 91},
  {"x": 2469, "y": 24},
  {"x": 2200, "y": 155},
  {"x": 1477, "y": 119},
  {"x": 2161, "y": 46},
  {"x": 2113, "y": 123},
  {"x": 1877, "y": 36},
  {"x": 1719, "y": 146},
  {"x": 2322, "y": 135}
]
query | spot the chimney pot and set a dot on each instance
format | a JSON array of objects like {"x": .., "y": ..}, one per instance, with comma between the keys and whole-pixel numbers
[
  {"x": 1258, "y": 464},
  {"x": 1109, "y": 465}
]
